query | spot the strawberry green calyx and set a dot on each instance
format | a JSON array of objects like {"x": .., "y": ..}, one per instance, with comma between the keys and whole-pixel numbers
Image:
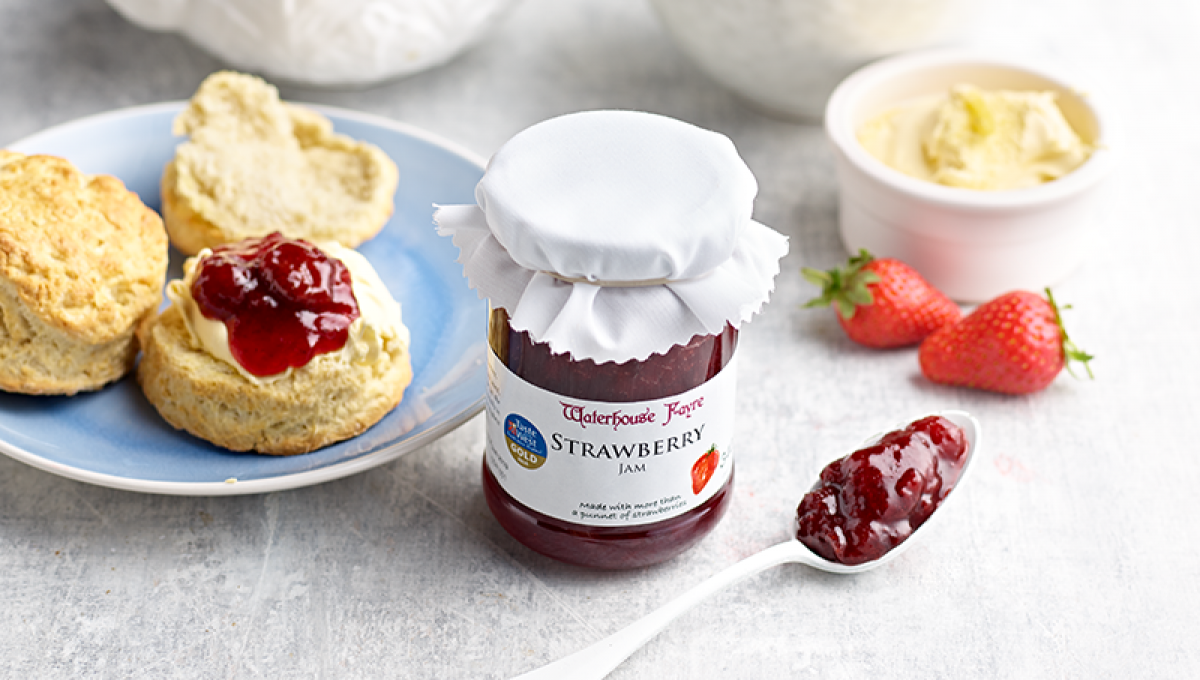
[
  {"x": 844, "y": 287},
  {"x": 1071, "y": 352}
]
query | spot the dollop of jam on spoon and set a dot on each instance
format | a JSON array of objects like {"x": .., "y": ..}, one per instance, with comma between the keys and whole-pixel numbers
[{"x": 869, "y": 502}]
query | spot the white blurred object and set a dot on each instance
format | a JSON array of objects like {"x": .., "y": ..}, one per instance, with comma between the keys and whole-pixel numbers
[
  {"x": 323, "y": 42},
  {"x": 785, "y": 57}
]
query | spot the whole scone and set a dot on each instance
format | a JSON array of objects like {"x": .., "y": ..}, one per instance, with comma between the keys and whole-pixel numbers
[
  {"x": 188, "y": 373},
  {"x": 255, "y": 164},
  {"x": 82, "y": 262}
]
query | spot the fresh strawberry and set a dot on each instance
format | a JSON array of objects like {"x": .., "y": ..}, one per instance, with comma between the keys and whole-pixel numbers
[
  {"x": 1015, "y": 344},
  {"x": 882, "y": 303}
]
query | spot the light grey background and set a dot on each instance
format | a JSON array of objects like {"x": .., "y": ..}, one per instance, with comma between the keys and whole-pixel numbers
[{"x": 1072, "y": 553}]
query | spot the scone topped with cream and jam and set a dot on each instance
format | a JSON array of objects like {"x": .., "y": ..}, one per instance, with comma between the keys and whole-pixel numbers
[
  {"x": 82, "y": 262},
  {"x": 254, "y": 164},
  {"x": 276, "y": 345}
]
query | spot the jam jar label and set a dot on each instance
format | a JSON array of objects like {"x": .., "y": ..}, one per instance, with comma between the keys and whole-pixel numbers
[{"x": 609, "y": 464}]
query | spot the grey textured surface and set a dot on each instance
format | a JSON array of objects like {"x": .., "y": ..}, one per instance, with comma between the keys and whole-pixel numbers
[{"x": 1072, "y": 553}]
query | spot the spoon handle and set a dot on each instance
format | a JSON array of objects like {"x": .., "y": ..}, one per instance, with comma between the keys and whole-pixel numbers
[{"x": 599, "y": 659}]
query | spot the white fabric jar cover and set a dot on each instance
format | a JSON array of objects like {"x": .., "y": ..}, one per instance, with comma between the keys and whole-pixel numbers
[{"x": 614, "y": 235}]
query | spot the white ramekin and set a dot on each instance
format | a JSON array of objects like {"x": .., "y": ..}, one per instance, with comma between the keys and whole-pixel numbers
[{"x": 973, "y": 245}]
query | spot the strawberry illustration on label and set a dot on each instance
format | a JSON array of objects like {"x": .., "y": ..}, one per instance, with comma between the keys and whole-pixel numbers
[{"x": 703, "y": 469}]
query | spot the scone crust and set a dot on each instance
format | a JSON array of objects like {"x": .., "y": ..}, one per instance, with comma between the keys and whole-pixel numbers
[
  {"x": 82, "y": 262},
  {"x": 325, "y": 401},
  {"x": 255, "y": 164}
]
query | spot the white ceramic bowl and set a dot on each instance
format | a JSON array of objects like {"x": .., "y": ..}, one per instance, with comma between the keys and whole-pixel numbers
[
  {"x": 323, "y": 43},
  {"x": 784, "y": 57},
  {"x": 973, "y": 245}
]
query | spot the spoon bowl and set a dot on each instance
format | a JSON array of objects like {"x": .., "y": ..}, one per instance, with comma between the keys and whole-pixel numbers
[
  {"x": 972, "y": 434},
  {"x": 598, "y": 660}
]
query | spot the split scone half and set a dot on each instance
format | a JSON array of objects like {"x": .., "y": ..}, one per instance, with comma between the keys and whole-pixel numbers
[
  {"x": 252, "y": 381},
  {"x": 255, "y": 164},
  {"x": 82, "y": 262}
]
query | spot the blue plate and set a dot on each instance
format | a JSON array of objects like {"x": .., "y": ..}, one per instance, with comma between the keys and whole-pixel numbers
[{"x": 115, "y": 438}]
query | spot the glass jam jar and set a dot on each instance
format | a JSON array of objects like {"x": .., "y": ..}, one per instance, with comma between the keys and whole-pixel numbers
[
  {"x": 660, "y": 376},
  {"x": 619, "y": 257}
]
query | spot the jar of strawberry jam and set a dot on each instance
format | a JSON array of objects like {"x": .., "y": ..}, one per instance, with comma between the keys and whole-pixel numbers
[{"x": 619, "y": 258}]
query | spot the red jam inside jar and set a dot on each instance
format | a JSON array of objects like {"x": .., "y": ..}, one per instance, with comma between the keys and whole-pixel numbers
[
  {"x": 682, "y": 368},
  {"x": 869, "y": 502},
  {"x": 283, "y": 301}
]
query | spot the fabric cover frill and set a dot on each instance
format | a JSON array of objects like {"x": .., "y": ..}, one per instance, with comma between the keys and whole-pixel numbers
[{"x": 615, "y": 323}]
